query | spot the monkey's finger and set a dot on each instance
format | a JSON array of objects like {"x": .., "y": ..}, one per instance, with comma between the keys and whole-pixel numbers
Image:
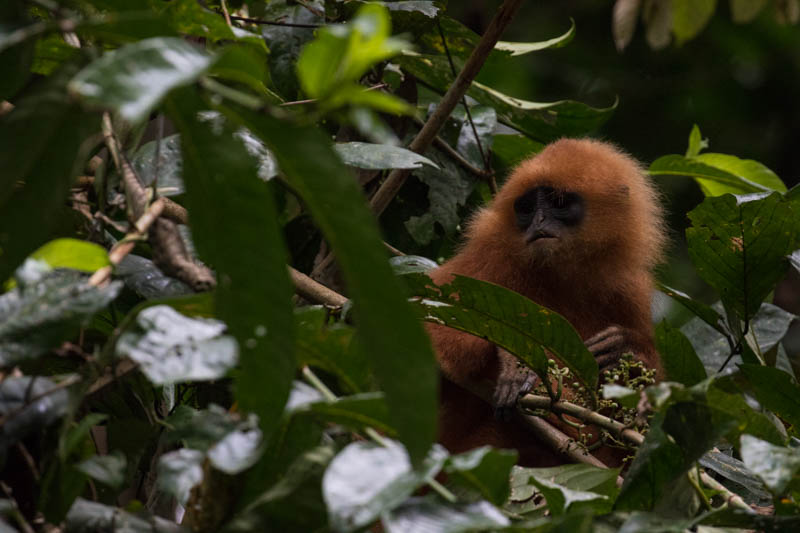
[
  {"x": 610, "y": 331},
  {"x": 613, "y": 343},
  {"x": 607, "y": 360}
]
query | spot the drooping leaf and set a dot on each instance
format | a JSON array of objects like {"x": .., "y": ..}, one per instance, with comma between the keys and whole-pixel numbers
[
  {"x": 171, "y": 347},
  {"x": 689, "y": 17},
  {"x": 179, "y": 472},
  {"x": 561, "y": 499},
  {"x": 88, "y": 517},
  {"x": 29, "y": 403},
  {"x": 578, "y": 477},
  {"x": 107, "y": 469},
  {"x": 232, "y": 211},
  {"x": 72, "y": 253},
  {"x": 53, "y": 131},
  {"x": 518, "y": 49},
  {"x": 40, "y": 314},
  {"x": 366, "y": 479},
  {"x": 733, "y": 469},
  {"x": 704, "y": 312},
  {"x": 420, "y": 515},
  {"x": 133, "y": 79},
  {"x": 678, "y": 357},
  {"x": 776, "y": 391},
  {"x": 542, "y": 122},
  {"x": 379, "y": 156},
  {"x": 484, "y": 470},
  {"x": 398, "y": 349},
  {"x": 777, "y": 466},
  {"x": 506, "y": 319}
]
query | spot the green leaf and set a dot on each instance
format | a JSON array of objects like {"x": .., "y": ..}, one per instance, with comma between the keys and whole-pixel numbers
[
  {"x": 513, "y": 149},
  {"x": 133, "y": 79},
  {"x": 379, "y": 156},
  {"x": 704, "y": 312},
  {"x": 233, "y": 211},
  {"x": 484, "y": 470},
  {"x": 399, "y": 350},
  {"x": 743, "y": 11},
  {"x": 330, "y": 66},
  {"x": 733, "y": 469},
  {"x": 172, "y": 348},
  {"x": 16, "y": 394},
  {"x": 358, "y": 412},
  {"x": 366, "y": 479},
  {"x": 40, "y": 314},
  {"x": 53, "y": 131},
  {"x": 696, "y": 143},
  {"x": 689, "y": 17},
  {"x": 107, "y": 469},
  {"x": 72, "y": 253},
  {"x": 331, "y": 347},
  {"x": 747, "y": 169},
  {"x": 179, "y": 472},
  {"x": 739, "y": 244},
  {"x": 775, "y": 390},
  {"x": 507, "y": 319},
  {"x": 712, "y": 180},
  {"x": 419, "y": 515},
  {"x": 518, "y": 49},
  {"x": 542, "y": 122},
  {"x": 678, "y": 357},
  {"x": 578, "y": 477},
  {"x": 86, "y": 517},
  {"x": 560, "y": 499},
  {"x": 777, "y": 466}
]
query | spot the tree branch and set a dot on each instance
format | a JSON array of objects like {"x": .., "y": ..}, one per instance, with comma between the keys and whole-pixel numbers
[{"x": 425, "y": 137}]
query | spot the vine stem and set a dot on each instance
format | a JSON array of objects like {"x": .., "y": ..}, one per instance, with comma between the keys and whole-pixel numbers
[
  {"x": 451, "y": 98},
  {"x": 317, "y": 383}
]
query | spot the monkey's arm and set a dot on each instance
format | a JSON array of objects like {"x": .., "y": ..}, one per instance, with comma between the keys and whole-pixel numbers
[{"x": 476, "y": 364}]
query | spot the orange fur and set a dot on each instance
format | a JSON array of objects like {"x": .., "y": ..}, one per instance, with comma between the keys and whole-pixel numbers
[{"x": 596, "y": 276}]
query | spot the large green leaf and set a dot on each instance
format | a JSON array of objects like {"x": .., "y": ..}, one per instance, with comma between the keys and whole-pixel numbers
[
  {"x": 133, "y": 79},
  {"x": 420, "y": 515},
  {"x": 678, "y": 357},
  {"x": 689, "y": 17},
  {"x": 399, "y": 351},
  {"x": 42, "y": 313},
  {"x": 72, "y": 253},
  {"x": 367, "y": 479},
  {"x": 543, "y": 122},
  {"x": 236, "y": 231},
  {"x": 739, "y": 246},
  {"x": 172, "y": 348},
  {"x": 776, "y": 391},
  {"x": 380, "y": 156},
  {"x": 35, "y": 180},
  {"x": 777, "y": 466},
  {"x": 505, "y": 318}
]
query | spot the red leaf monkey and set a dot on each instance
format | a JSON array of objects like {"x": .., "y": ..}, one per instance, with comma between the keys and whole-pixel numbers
[{"x": 577, "y": 228}]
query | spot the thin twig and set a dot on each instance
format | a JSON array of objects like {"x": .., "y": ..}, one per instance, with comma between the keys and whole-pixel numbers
[
  {"x": 460, "y": 159},
  {"x": 734, "y": 500},
  {"x": 459, "y": 87},
  {"x": 484, "y": 155},
  {"x": 124, "y": 246},
  {"x": 224, "y": 7},
  {"x": 263, "y": 22},
  {"x": 124, "y": 367}
]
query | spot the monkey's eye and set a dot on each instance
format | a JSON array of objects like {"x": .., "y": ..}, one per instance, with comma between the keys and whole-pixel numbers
[{"x": 525, "y": 204}]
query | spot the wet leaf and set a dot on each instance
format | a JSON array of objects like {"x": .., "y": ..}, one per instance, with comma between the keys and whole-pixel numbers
[
  {"x": 379, "y": 156},
  {"x": 423, "y": 515}
]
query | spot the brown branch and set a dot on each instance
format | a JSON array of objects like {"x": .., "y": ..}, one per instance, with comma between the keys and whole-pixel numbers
[
  {"x": 587, "y": 415},
  {"x": 459, "y": 87},
  {"x": 734, "y": 500},
  {"x": 315, "y": 291},
  {"x": 126, "y": 244}
]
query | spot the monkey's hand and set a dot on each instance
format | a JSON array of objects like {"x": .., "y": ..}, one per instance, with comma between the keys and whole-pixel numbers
[
  {"x": 514, "y": 379},
  {"x": 608, "y": 345}
]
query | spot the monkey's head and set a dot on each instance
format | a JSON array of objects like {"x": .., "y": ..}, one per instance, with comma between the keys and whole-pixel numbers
[{"x": 576, "y": 200}]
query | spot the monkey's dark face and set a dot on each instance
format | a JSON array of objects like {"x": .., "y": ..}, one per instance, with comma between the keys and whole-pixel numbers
[{"x": 545, "y": 214}]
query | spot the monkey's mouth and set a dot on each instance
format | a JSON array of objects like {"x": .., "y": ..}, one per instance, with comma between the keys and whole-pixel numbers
[{"x": 538, "y": 235}]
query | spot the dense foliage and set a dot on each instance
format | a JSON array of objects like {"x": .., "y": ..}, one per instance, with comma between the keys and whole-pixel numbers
[{"x": 161, "y": 163}]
